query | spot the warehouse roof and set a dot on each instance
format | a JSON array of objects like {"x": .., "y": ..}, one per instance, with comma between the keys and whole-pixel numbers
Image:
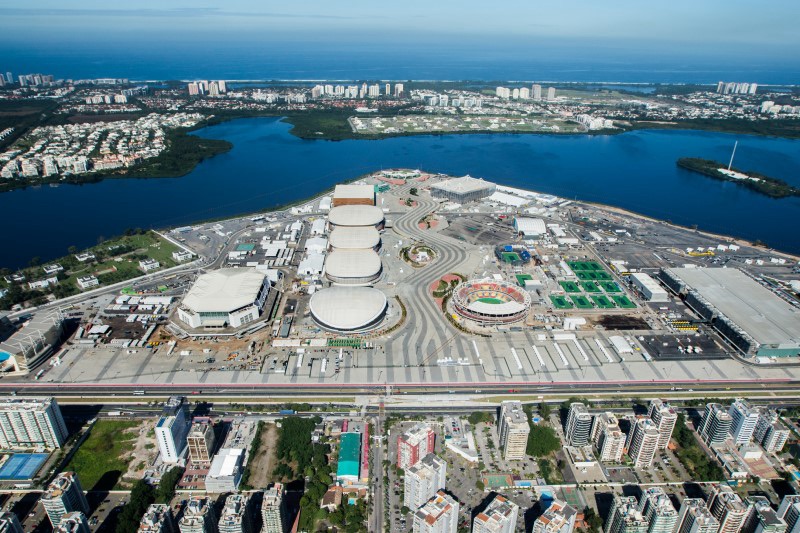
[
  {"x": 224, "y": 290},
  {"x": 348, "y": 308},
  {"x": 349, "y": 453},
  {"x": 354, "y": 191},
  {"x": 530, "y": 226},
  {"x": 354, "y": 237},
  {"x": 355, "y": 215},
  {"x": 761, "y": 313},
  {"x": 353, "y": 263},
  {"x": 464, "y": 185}
]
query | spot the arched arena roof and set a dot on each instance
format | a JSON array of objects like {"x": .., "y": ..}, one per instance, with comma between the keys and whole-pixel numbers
[
  {"x": 355, "y": 215},
  {"x": 354, "y": 237},
  {"x": 350, "y": 309},
  {"x": 224, "y": 290},
  {"x": 353, "y": 264}
]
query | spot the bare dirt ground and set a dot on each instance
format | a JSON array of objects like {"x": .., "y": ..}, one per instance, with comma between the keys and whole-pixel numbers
[
  {"x": 144, "y": 451},
  {"x": 264, "y": 463}
]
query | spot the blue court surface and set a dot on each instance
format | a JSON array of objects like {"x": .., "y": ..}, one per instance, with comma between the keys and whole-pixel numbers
[{"x": 22, "y": 465}]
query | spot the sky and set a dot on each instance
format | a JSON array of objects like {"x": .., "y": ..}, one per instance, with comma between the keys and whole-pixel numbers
[{"x": 635, "y": 30}]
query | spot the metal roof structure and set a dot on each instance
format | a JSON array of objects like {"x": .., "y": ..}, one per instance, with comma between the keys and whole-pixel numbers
[
  {"x": 349, "y": 454},
  {"x": 464, "y": 184},
  {"x": 353, "y": 263},
  {"x": 354, "y": 237},
  {"x": 348, "y": 308},
  {"x": 530, "y": 226},
  {"x": 355, "y": 215},
  {"x": 224, "y": 290},
  {"x": 762, "y": 314},
  {"x": 350, "y": 190}
]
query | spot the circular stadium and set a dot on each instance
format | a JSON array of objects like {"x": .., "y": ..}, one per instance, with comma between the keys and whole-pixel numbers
[
  {"x": 353, "y": 267},
  {"x": 348, "y": 309},
  {"x": 356, "y": 215},
  {"x": 491, "y": 302}
]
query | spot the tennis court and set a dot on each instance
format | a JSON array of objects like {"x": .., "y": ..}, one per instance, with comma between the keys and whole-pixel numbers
[
  {"x": 522, "y": 278},
  {"x": 623, "y": 301},
  {"x": 602, "y": 302},
  {"x": 584, "y": 265},
  {"x": 610, "y": 286},
  {"x": 590, "y": 286},
  {"x": 22, "y": 466},
  {"x": 510, "y": 257},
  {"x": 569, "y": 286},
  {"x": 573, "y": 497},
  {"x": 560, "y": 302},
  {"x": 245, "y": 247},
  {"x": 582, "y": 302}
]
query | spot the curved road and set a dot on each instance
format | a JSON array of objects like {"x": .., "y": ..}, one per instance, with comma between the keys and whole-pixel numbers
[{"x": 426, "y": 329}]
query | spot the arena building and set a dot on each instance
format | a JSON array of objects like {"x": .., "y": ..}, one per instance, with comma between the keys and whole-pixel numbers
[
  {"x": 349, "y": 194},
  {"x": 356, "y": 215},
  {"x": 353, "y": 267},
  {"x": 355, "y": 237},
  {"x": 462, "y": 190},
  {"x": 229, "y": 297},
  {"x": 751, "y": 317},
  {"x": 491, "y": 302},
  {"x": 348, "y": 309}
]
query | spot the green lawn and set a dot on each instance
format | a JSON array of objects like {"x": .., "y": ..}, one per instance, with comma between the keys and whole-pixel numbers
[
  {"x": 490, "y": 300},
  {"x": 610, "y": 286},
  {"x": 561, "y": 302},
  {"x": 582, "y": 302},
  {"x": 569, "y": 286},
  {"x": 602, "y": 302},
  {"x": 590, "y": 286},
  {"x": 103, "y": 458},
  {"x": 623, "y": 301}
]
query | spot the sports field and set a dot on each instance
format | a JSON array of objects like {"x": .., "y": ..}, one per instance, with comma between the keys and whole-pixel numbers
[
  {"x": 623, "y": 301},
  {"x": 584, "y": 265},
  {"x": 593, "y": 275},
  {"x": 610, "y": 286},
  {"x": 582, "y": 302},
  {"x": 510, "y": 257},
  {"x": 569, "y": 286},
  {"x": 490, "y": 300},
  {"x": 522, "y": 278},
  {"x": 602, "y": 302},
  {"x": 590, "y": 286},
  {"x": 560, "y": 302}
]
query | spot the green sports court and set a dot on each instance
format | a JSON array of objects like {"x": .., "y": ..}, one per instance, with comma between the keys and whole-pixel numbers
[
  {"x": 602, "y": 302},
  {"x": 623, "y": 301},
  {"x": 569, "y": 286},
  {"x": 511, "y": 257},
  {"x": 560, "y": 302},
  {"x": 592, "y": 275},
  {"x": 582, "y": 302},
  {"x": 610, "y": 286},
  {"x": 522, "y": 278},
  {"x": 590, "y": 286},
  {"x": 584, "y": 266}
]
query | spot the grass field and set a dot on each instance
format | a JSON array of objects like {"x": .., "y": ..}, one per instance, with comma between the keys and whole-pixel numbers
[
  {"x": 510, "y": 257},
  {"x": 623, "y": 301},
  {"x": 590, "y": 286},
  {"x": 569, "y": 286},
  {"x": 610, "y": 286},
  {"x": 522, "y": 278},
  {"x": 582, "y": 302},
  {"x": 602, "y": 302},
  {"x": 490, "y": 300},
  {"x": 561, "y": 302},
  {"x": 104, "y": 456}
]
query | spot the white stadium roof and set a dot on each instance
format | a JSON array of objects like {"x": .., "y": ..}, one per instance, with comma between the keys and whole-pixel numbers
[
  {"x": 355, "y": 215},
  {"x": 358, "y": 263},
  {"x": 464, "y": 184},
  {"x": 354, "y": 237},
  {"x": 348, "y": 308},
  {"x": 505, "y": 308},
  {"x": 530, "y": 226},
  {"x": 224, "y": 290}
]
